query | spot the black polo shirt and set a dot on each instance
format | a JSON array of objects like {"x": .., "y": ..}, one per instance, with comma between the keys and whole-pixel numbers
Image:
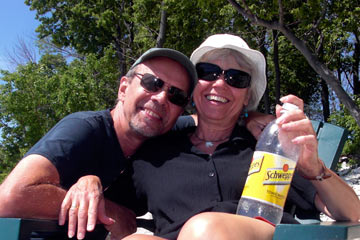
[
  {"x": 175, "y": 181},
  {"x": 83, "y": 143}
]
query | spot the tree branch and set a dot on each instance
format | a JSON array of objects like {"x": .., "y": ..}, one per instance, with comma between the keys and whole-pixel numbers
[
  {"x": 281, "y": 13},
  {"x": 311, "y": 58}
]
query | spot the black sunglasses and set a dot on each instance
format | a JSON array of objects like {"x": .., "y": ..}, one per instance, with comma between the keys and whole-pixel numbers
[
  {"x": 234, "y": 78},
  {"x": 154, "y": 84}
]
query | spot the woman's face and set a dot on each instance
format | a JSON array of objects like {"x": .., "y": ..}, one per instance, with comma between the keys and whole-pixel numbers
[{"x": 216, "y": 101}]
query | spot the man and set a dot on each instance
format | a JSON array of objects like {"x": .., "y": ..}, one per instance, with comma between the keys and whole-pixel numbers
[{"x": 94, "y": 146}]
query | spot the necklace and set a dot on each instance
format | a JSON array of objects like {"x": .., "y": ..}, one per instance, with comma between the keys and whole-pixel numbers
[{"x": 208, "y": 143}]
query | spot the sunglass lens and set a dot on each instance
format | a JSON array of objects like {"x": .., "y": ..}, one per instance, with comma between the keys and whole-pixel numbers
[
  {"x": 154, "y": 84},
  {"x": 237, "y": 78},
  {"x": 208, "y": 71},
  {"x": 177, "y": 96},
  {"x": 151, "y": 83}
]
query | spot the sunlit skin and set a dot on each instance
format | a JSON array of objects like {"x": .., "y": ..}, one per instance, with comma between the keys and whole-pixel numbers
[
  {"x": 146, "y": 114},
  {"x": 216, "y": 99}
]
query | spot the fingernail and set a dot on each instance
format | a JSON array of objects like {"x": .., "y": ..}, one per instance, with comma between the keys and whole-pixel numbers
[
  {"x": 90, "y": 227},
  {"x": 80, "y": 235},
  {"x": 70, "y": 234},
  {"x": 61, "y": 221},
  {"x": 279, "y": 120}
]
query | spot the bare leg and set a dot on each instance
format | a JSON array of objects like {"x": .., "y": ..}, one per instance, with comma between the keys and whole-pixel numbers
[{"x": 219, "y": 226}]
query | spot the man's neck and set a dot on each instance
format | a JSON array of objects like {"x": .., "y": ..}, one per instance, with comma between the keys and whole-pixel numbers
[{"x": 129, "y": 140}]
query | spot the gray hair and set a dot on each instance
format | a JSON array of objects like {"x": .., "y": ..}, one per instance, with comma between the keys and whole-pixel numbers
[{"x": 222, "y": 53}]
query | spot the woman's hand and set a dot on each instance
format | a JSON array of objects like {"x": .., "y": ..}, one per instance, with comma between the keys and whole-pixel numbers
[
  {"x": 125, "y": 221},
  {"x": 84, "y": 204},
  {"x": 297, "y": 124}
]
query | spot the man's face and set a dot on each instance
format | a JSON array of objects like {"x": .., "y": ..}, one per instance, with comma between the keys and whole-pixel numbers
[{"x": 151, "y": 113}]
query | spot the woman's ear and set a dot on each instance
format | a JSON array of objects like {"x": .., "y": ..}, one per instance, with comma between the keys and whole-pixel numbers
[{"x": 247, "y": 98}]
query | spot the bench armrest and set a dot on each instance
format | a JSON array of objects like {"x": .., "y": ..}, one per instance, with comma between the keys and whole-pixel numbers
[{"x": 320, "y": 231}]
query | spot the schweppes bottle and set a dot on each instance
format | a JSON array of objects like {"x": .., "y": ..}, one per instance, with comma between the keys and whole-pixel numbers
[{"x": 270, "y": 174}]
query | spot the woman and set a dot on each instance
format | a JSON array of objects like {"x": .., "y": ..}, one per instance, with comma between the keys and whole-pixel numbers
[{"x": 192, "y": 181}]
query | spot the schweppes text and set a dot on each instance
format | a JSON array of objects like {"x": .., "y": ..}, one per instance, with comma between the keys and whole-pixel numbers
[
  {"x": 278, "y": 176},
  {"x": 269, "y": 178}
]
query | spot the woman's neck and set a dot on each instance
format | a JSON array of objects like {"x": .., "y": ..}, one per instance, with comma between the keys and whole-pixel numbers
[{"x": 208, "y": 136}]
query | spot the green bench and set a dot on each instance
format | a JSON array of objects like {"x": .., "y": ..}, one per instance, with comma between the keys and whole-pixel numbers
[
  {"x": 41, "y": 229},
  {"x": 331, "y": 140}
]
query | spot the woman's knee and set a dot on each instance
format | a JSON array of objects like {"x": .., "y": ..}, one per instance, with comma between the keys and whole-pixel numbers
[
  {"x": 142, "y": 237},
  {"x": 204, "y": 226},
  {"x": 227, "y": 226}
]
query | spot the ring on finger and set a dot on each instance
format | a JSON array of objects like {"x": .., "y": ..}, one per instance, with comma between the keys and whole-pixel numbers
[{"x": 74, "y": 206}]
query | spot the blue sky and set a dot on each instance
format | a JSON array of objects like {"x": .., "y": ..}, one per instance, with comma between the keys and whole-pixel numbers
[{"x": 16, "y": 21}]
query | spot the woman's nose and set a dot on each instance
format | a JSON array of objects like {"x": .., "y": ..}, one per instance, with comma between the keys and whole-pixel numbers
[{"x": 220, "y": 80}]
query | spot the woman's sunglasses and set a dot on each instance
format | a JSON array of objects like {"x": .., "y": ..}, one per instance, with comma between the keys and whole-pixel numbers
[
  {"x": 154, "y": 84},
  {"x": 234, "y": 78}
]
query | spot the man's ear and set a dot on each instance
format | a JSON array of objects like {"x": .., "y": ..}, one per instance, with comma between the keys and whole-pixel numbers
[{"x": 124, "y": 84}]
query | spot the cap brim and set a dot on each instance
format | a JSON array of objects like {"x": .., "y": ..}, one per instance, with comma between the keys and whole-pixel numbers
[{"x": 174, "y": 55}]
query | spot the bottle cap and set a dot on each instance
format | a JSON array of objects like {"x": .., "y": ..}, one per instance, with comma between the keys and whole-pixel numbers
[{"x": 288, "y": 107}]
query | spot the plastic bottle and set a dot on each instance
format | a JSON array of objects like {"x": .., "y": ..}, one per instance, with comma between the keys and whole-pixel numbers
[{"x": 270, "y": 173}]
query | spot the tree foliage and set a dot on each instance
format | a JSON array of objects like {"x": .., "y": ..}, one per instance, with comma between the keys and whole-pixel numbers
[
  {"x": 37, "y": 95},
  {"x": 107, "y": 36},
  {"x": 314, "y": 19}
]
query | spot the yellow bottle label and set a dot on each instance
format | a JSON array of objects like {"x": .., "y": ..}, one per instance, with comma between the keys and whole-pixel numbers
[{"x": 269, "y": 178}]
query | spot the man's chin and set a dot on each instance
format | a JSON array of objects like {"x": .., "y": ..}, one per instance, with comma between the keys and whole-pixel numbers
[{"x": 145, "y": 131}]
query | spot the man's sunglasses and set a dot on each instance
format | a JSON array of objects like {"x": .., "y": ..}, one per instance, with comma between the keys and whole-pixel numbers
[
  {"x": 154, "y": 84},
  {"x": 234, "y": 78}
]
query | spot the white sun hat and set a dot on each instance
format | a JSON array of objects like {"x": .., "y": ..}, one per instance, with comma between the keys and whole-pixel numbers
[{"x": 255, "y": 59}]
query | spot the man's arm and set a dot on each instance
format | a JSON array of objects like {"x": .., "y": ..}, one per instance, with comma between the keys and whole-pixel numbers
[
  {"x": 256, "y": 122},
  {"x": 32, "y": 189}
]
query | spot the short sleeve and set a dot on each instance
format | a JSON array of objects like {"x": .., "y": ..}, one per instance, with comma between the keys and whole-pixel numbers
[{"x": 67, "y": 145}]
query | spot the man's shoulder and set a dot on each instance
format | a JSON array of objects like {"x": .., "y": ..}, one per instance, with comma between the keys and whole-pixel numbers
[
  {"x": 86, "y": 115},
  {"x": 92, "y": 118}
]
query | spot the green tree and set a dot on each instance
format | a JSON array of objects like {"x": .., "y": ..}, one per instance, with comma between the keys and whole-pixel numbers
[
  {"x": 300, "y": 21},
  {"x": 37, "y": 95},
  {"x": 87, "y": 26}
]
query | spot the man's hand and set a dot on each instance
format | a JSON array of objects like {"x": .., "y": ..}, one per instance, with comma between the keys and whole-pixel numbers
[
  {"x": 257, "y": 121},
  {"x": 84, "y": 204}
]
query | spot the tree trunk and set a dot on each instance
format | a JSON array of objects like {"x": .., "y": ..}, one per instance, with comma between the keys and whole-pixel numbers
[
  {"x": 325, "y": 100},
  {"x": 327, "y": 75},
  {"x": 162, "y": 32},
  {"x": 355, "y": 67},
  {"x": 276, "y": 65},
  {"x": 263, "y": 50}
]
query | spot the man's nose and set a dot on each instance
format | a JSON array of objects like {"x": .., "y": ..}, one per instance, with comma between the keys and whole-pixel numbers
[{"x": 160, "y": 96}]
